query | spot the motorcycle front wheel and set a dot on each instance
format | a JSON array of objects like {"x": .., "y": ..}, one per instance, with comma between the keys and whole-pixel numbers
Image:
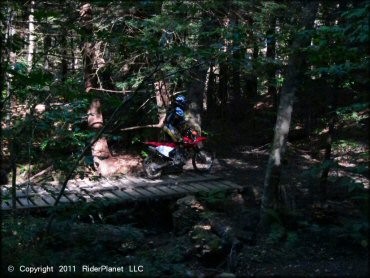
[
  {"x": 203, "y": 160},
  {"x": 150, "y": 169}
]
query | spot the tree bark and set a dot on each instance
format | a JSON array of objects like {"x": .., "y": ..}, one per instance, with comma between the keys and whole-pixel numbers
[
  {"x": 197, "y": 88},
  {"x": 270, "y": 198},
  {"x": 270, "y": 55},
  {"x": 162, "y": 99},
  {"x": 63, "y": 43},
  {"x": 222, "y": 86},
  {"x": 196, "y": 93},
  {"x": 31, "y": 36},
  {"x": 100, "y": 150},
  {"x": 210, "y": 90},
  {"x": 251, "y": 82},
  {"x": 326, "y": 165},
  {"x": 47, "y": 44},
  {"x": 236, "y": 107}
]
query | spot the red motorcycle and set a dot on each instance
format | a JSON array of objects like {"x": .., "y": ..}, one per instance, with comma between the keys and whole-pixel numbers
[{"x": 164, "y": 155}]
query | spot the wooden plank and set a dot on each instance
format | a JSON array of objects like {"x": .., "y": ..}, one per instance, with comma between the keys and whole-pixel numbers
[
  {"x": 73, "y": 186},
  {"x": 172, "y": 190},
  {"x": 215, "y": 185},
  {"x": 111, "y": 184},
  {"x": 5, "y": 205},
  {"x": 110, "y": 196},
  {"x": 170, "y": 182},
  {"x": 156, "y": 191},
  {"x": 135, "y": 180},
  {"x": 193, "y": 174},
  {"x": 231, "y": 184},
  {"x": 73, "y": 198},
  {"x": 83, "y": 184},
  {"x": 117, "y": 183},
  {"x": 93, "y": 195},
  {"x": 182, "y": 188},
  {"x": 26, "y": 203},
  {"x": 121, "y": 194},
  {"x": 52, "y": 188},
  {"x": 104, "y": 184},
  {"x": 86, "y": 198},
  {"x": 135, "y": 195},
  {"x": 48, "y": 199},
  {"x": 20, "y": 193},
  {"x": 168, "y": 190},
  {"x": 44, "y": 195},
  {"x": 195, "y": 179},
  {"x": 63, "y": 199},
  {"x": 38, "y": 201},
  {"x": 199, "y": 187},
  {"x": 143, "y": 192}
]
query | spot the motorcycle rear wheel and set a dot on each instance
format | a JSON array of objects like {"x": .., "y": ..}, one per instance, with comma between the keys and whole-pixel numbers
[
  {"x": 149, "y": 168},
  {"x": 202, "y": 160}
]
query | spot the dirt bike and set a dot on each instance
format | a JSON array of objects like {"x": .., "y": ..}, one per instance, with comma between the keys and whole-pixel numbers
[{"x": 165, "y": 155}]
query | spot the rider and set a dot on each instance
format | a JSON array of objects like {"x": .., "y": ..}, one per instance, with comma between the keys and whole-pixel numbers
[{"x": 175, "y": 125}]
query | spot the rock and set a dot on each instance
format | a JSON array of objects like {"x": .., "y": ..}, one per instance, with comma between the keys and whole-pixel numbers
[
  {"x": 207, "y": 246},
  {"x": 120, "y": 217},
  {"x": 40, "y": 108},
  {"x": 187, "y": 214},
  {"x": 114, "y": 165}
]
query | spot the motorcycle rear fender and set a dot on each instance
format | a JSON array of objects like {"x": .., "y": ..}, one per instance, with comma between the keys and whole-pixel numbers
[{"x": 200, "y": 139}]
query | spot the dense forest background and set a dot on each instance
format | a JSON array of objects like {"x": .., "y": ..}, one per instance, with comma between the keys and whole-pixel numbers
[{"x": 280, "y": 88}]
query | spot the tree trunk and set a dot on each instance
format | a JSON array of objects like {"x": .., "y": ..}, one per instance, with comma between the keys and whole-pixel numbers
[
  {"x": 197, "y": 90},
  {"x": 162, "y": 98},
  {"x": 236, "y": 108},
  {"x": 210, "y": 90},
  {"x": 270, "y": 198},
  {"x": 47, "y": 45},
  {"x": 222, "y": 87},
  {"x": 270, "y": 54},
  {"x": 251, "y": 82},
  {"x": 31, "y": 36},
  {"x": 63, "y": 43},
  {"x": 326, "y": 165},
  {"x": 196, "y": 93},
  {"x": 100, "y": 150}
]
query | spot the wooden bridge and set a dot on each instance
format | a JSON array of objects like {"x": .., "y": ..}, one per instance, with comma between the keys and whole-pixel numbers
[{"x": 119, "y": 189}]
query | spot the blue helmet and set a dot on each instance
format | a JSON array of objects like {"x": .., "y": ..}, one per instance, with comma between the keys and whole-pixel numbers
[
  {"x": 181, "y": 101},
  {"x": 180, "y": 112}
]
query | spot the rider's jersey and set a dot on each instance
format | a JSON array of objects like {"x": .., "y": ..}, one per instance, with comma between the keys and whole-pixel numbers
[
  {"x": 174, "y": 125},
  {"x": 174, "y": 119}
]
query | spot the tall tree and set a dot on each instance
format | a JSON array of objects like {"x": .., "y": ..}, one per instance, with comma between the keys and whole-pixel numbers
[
  {"x": 270, "y": 198},
  {"x": 31, "y": 35},
  {"x": 251, "y": 82},
  {"x": 100, "y": 149},
  {"x": 270, "y": 55}
]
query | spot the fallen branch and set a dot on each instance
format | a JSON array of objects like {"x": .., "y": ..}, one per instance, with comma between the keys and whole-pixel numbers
[
  {"x": 145, "y": 102},
  {"x": 125, "y": 92},
  {"x": 159, "y": 125},
  {"x": 39, "y": 174}
]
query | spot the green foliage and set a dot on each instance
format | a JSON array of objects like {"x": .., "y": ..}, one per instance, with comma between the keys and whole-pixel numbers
[
  {"x": 214, "y": 197},
  {"x": 276, "y": 235}
]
